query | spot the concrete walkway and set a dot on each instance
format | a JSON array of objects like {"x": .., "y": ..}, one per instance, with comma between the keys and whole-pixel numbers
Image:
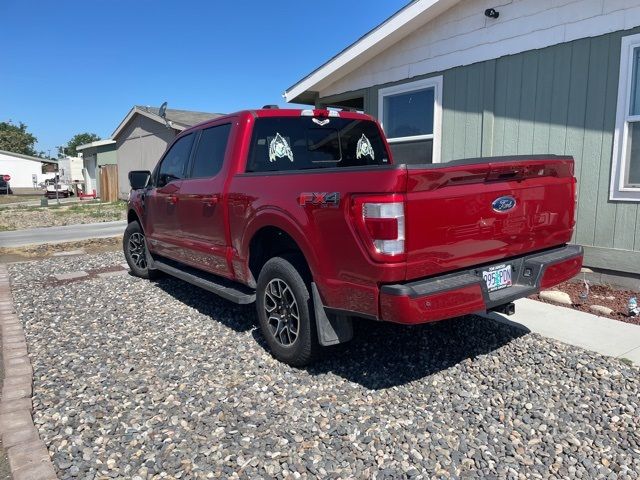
[
  {"x": 69, "y": 233},
  {"x": 600, "y": 334}
]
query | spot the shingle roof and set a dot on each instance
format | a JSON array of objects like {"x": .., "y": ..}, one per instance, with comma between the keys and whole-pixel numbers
[
  {"x": 178, "y": 119},
  {"x": 186, "y": 118}
]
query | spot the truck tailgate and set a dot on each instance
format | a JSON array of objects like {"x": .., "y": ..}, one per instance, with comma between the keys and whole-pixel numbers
[{"x": 473, "y": 212}]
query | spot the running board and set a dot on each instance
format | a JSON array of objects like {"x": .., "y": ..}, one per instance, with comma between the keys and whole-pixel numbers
[{"x": 212, "y": 283}]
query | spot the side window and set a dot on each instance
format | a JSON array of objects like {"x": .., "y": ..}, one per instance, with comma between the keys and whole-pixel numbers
[
  {"x": 625, "y": 175},
  {"x": 210, "y": 151},
  {"x": 175, "y": 161},
  {"x": 411, "y": 116}
]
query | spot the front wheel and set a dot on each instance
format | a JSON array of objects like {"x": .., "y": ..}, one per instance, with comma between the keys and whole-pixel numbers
[
  {"x": 285, "y": 311},
  {"x": 135, "y": 251}
]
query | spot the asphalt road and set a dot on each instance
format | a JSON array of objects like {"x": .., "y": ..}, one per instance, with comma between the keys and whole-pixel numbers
[{"x": 69, "y": 233}]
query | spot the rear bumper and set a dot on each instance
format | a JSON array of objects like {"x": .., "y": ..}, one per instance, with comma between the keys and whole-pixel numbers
[{"x": 465, "y": 292}]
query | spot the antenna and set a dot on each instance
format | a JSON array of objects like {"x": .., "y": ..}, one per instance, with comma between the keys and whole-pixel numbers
[{"x": 163, "y": 110}]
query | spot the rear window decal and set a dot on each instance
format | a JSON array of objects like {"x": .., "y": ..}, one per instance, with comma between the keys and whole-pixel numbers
[
  {"x": 279, "y": 148},
  {"x": 364, "y": 148}
]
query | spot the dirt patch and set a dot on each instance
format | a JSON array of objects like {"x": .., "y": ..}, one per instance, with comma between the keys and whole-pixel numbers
[
  {"x": 24, "y": 217},
  {"x": 604, "y": 295},
  {"x": 4, "y": 199},
  {"x": 34, "y": 252}
]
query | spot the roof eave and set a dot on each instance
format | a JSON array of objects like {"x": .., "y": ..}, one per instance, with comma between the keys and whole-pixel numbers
[
  {"x": 396, "y": 27},
  {"x": 27, "y": 157},
  {"x": 305, "y": 98},
  {"x": 97, "y": 143}
]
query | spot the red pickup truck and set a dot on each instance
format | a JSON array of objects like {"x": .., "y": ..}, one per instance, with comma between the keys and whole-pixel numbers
[{"x": 307, "y": 214}]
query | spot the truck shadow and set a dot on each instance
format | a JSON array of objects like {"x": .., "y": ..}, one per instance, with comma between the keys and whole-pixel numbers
[
  {"x": 381, "y": 355},
  {"x": 239, "y": 318},
  {"x": 386, "y": 355}
]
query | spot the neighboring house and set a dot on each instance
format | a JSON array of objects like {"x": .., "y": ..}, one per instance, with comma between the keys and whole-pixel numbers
[
  {"x": 94, "y": 156},
  {"x": 143, "y": 136},
  {"x": 448, "y": 80},
  {"x": 25, "y": 171}
]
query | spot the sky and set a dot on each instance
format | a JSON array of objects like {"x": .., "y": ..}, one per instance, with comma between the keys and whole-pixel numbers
[{"x": 73, "y": 66}]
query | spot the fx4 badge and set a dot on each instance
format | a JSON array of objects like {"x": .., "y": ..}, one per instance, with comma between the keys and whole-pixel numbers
[{"x": 322, "y": 199}]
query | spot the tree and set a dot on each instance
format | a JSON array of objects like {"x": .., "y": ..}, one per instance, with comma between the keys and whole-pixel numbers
[
  {"x": 77, "y": 140},
  {"x": 16, "y": 139}
]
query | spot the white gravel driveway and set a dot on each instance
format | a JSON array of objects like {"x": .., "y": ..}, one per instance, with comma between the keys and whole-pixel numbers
[{"x": 135, "y": 379}]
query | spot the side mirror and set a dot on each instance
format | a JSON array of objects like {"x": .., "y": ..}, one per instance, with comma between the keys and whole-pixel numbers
[{"x": 139, "y": 179}]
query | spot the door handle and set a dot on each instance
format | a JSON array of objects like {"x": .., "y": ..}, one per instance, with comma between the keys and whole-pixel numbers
[
  {"x": 210, "y": 201},
  {"x": 172, "y": 199}
]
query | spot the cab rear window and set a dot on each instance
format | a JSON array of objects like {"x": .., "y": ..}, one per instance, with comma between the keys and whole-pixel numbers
[{"x": 303, "y": 143}]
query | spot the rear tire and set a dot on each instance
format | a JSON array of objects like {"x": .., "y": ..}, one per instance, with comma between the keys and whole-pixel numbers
[
  {"x": 285, "y": 311},
  {"x": 135, "y": 251}
]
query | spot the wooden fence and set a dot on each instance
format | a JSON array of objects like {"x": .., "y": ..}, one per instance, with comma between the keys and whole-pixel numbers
[{"x": 109, "y": 183}]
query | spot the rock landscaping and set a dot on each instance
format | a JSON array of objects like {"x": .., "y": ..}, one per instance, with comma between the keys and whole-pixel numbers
[
  {"x": 601, "y": 300},
  {"x": 556, "y": 296},
  {"x": 21, "y": 217},
  {"x": 138, "y": 379}
]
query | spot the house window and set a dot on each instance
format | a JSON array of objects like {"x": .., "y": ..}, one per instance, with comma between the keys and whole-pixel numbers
[
  {"x": 411, "y": 116},
  {"x": 625, "y": 178}
]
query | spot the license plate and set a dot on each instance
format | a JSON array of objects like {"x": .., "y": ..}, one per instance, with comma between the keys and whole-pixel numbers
[{"x": 497, "y": 277}]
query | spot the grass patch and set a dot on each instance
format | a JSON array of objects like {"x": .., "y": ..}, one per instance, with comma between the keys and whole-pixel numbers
[
  {"x": 4, "y": 199},
  {"x": 31, "y": 216}
]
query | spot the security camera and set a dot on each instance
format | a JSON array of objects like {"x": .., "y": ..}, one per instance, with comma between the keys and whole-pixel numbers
[{"x": 491, "y": 13}]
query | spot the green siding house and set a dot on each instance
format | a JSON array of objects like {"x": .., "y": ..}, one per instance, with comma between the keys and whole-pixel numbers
[
  {"x": 96, "y": 155},
  {"x": 450, "y": 79}
]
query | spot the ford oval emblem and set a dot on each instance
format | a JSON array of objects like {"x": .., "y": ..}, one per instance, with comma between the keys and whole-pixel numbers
[{"x": 503, "y": 204}]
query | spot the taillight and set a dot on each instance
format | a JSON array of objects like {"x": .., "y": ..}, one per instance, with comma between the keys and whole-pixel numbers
[{"x": 380, "y": 221}]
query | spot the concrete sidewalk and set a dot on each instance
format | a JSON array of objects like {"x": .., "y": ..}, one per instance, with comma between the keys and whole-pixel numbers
[
  {"x": 69, "y": 233},
  {"x": 600, "y": 334}
]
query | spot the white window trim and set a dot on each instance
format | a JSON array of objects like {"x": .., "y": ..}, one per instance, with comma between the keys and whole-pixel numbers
[
  {"x": 618, "y": 189},
  {"x": 436, "y": 84}
]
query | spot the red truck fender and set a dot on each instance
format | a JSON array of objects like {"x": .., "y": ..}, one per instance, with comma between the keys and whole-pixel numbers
[
  {"x": 331, "y": 330},
  {"x": 269, "y": 217}
]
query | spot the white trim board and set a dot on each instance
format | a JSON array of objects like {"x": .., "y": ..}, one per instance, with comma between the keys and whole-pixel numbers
[
  {"x": 97, "y": 143},
  {"x": 377, "y": 40},
  {"x": 618, "y": 190}
]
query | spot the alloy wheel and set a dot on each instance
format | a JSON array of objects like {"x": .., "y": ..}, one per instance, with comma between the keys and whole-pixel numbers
[
  {"x": 283, "y": 316},
  {"x": 137, "y": 250}
]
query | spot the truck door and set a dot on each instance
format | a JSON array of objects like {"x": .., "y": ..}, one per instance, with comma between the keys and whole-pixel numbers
[
  {"x": 161, "y": 202},
  {"x": 201, "y": 205}
]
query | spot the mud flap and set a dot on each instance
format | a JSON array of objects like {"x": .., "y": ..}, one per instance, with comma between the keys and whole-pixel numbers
[
  {"x": 147, "y": 254},
  {"x": 332, "y": 329}
]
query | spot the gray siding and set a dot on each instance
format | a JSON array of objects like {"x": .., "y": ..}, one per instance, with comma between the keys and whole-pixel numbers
[
  {"x": 562, "y": 100},
  {"x": 139, "y": 147}
]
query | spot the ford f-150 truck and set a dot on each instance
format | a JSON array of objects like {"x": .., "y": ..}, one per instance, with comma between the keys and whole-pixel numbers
[{"x": 307, "y": 214}]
